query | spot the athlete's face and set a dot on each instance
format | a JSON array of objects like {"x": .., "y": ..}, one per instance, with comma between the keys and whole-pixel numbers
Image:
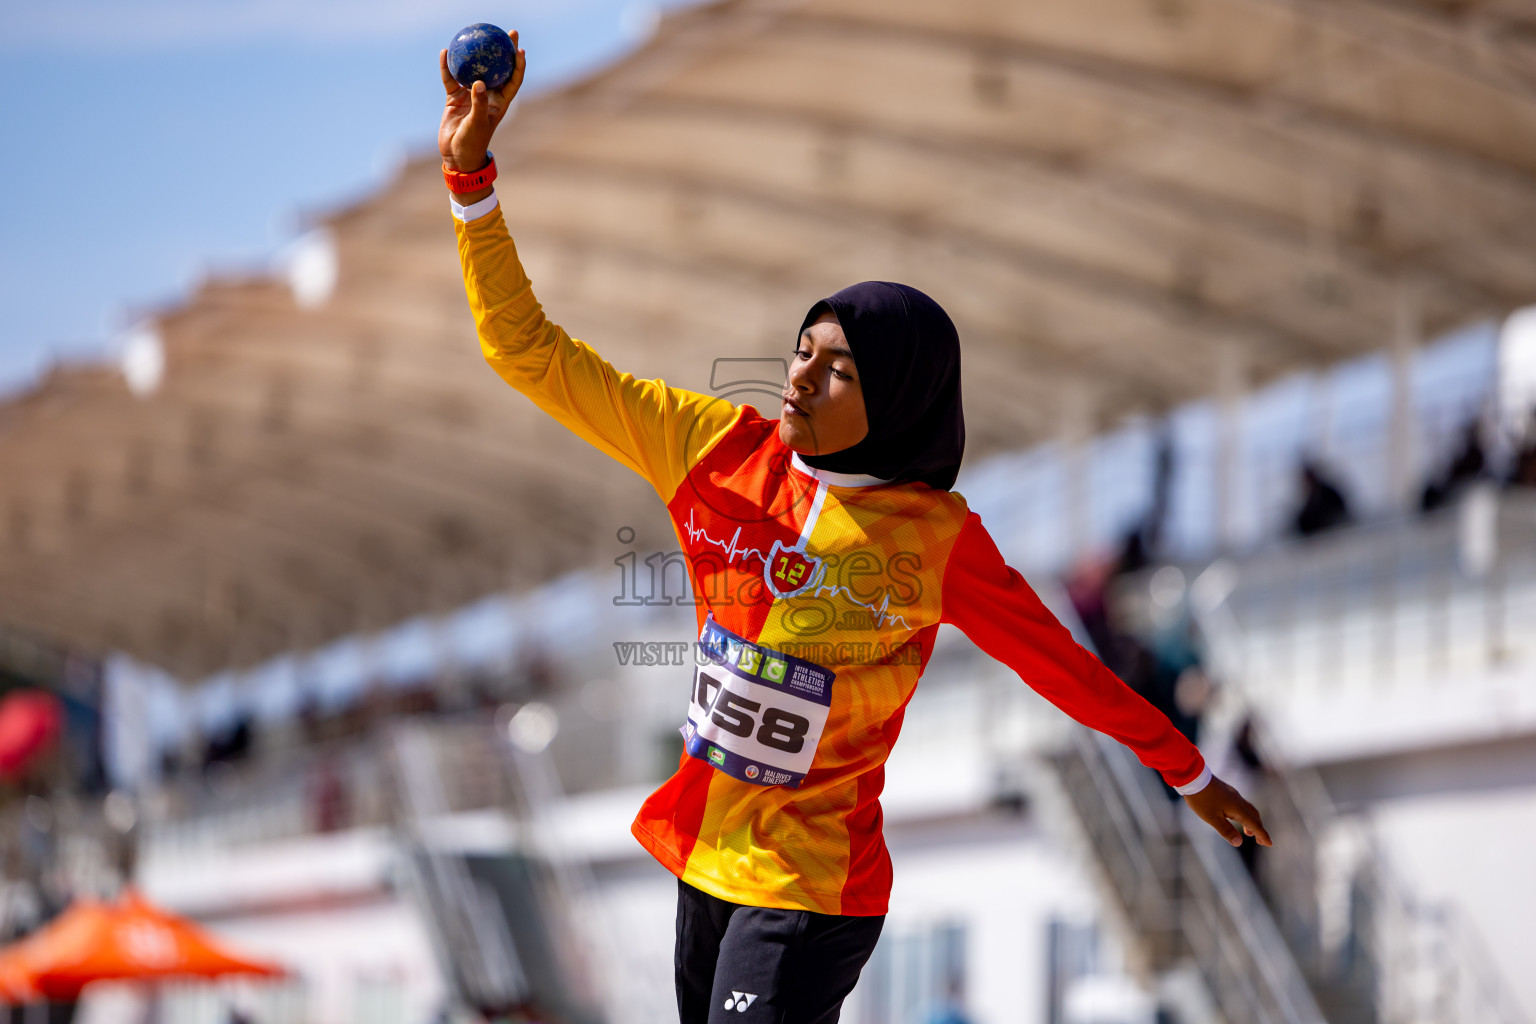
[{"x": 823, "y": 405}]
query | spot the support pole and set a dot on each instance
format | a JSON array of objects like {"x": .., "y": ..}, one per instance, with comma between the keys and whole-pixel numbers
[
  {"x": 1077, "y": 422},
  {"x": 1407, "y": 335},
  {"x": 1231, "y": 385}
]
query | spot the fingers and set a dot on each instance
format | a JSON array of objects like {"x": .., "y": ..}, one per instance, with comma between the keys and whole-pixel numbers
[
  {"x": 1248, "y": 816},
  {"x": 509, "y": 89},
  {"x": 1218, "y": 805},
  {"x": 448, "y": 81},
  {"x": 1242, "y": 812},
  {"x": 478, "y": 104},
  {"x": 518, "y": 69},
  {"x": 519, "y": 65},
  {"x": 1227, "y": 831},
  {"x": 501, "y": 99}
]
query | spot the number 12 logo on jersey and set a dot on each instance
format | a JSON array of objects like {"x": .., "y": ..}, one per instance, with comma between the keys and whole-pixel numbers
[{"x": 789, "y": 572}]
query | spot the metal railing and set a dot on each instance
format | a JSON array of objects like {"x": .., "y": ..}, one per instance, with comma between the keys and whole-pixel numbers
[
  {"x": 1416, "y": 962},
  {"x": 1401, "y": 602},
  {"x": 473, "y": 939},
  {"x": 1183, "y": 892},
  {"x": 1370, "y": 949},
  {"x": 338, "y": 784},
  {"x": 507, "y": 913}
]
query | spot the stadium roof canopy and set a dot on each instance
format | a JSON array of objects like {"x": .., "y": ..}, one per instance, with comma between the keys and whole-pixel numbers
[{"x": 1119, "y": 200}]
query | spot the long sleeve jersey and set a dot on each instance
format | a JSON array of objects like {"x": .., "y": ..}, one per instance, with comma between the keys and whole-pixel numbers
[{"x": 818, "y": 593}]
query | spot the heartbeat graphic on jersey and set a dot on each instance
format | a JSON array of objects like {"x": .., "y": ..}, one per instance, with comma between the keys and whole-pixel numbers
[
  {"x": 729, "y": 547},
  {"x": 878, "y": 610},
  {"x": 731, "y": 551}
]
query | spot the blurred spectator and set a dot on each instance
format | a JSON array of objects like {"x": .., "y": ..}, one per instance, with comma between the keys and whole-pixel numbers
[
  {"x": 311, "y": 718},
  {"x": 230, "y": 744},
  {"x": 1089, "y": 582},
  {"x": 951, "y": 1010},
  {"x": 1322, "y": 506},
  {"x": 1467, "y": 465},
  {"x": 1523, "y": 472},
  {"x": 1133, "y": 553},
  {"x": 1180, "y": 688},
  {"x": 486, "y": 691},
  {"x": 536, "y": 673},
  {"x": 1192, "y": 693},
  {"x": 170, "y": 761},
  {"x": 1087, "y": 586},
  {"x": 1143, "y": 541},
  {"x": 329, "y": 798}
]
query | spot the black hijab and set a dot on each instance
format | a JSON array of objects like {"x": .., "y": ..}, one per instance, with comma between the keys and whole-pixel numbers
[{"x": 907, "y": 354}]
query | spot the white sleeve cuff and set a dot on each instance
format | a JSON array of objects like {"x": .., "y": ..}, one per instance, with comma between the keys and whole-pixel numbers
[
  {"x": 1200, "y": 782},
  {"x": 474, "y": 211}
]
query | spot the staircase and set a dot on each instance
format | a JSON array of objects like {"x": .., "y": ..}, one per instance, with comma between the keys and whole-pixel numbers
[
  {"x": 1323, "y": 929},
  {"x": 1320, "y": 933},
  {"x": 500, "y": 909},
  {"x": 1180, "y": 891},
  {"x": 470, "y": 929},
  {"x": 1371, "y": 950}
]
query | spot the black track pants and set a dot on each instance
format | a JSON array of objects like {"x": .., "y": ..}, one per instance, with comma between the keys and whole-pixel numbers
[{"x": 757, "y": 965}]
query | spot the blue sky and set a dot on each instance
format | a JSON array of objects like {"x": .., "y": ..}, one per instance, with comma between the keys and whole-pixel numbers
[{"x": 148, "y": 143}]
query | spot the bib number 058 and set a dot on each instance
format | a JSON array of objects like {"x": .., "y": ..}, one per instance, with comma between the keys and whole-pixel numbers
[{"x": 737, "y": 715}]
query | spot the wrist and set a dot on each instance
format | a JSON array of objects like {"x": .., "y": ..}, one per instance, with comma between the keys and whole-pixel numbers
[
  {"x": 1199, "y": 784},
  {"x": 466, "y": 165}
]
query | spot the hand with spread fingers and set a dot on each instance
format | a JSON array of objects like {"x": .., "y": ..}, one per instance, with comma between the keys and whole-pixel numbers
[{"x": 1219, "y": 805}]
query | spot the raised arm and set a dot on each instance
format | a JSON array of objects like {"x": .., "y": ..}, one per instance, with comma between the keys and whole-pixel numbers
[
  {"x": 656, "y": 430},
  {"x": 993, "y": 605}
]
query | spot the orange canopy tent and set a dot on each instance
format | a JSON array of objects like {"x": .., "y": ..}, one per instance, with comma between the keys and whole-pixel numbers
[
  {"x": 16, "y": 985},
  {"x": 126, "y": 940}
]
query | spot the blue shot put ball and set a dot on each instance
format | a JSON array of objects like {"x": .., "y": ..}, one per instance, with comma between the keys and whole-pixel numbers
[{"x": 481, "y": 53}]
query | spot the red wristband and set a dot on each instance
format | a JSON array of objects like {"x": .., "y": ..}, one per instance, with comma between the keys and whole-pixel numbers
[{"x": 459, "y": 183}]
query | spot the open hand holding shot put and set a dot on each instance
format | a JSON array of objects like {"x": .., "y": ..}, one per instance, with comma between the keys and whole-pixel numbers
[{"x": 471, "y": 116}]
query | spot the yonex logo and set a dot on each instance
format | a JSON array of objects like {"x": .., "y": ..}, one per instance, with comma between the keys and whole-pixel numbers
[{"x": 739, "y": 1001}]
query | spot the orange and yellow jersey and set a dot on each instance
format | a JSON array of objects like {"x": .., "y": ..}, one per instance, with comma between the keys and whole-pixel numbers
[{"x": 820, "y": 593}]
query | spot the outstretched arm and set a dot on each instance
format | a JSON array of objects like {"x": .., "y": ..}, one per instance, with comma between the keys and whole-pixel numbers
[
  {"x": 656, "y": 430},
  {"x": 993, "y": 605}
]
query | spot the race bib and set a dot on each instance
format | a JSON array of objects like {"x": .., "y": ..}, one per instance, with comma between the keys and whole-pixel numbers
[{"x": 754, "y": 713}]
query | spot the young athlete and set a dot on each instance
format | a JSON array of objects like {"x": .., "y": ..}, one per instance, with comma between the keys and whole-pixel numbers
[{"x": 825, "y": 548}]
